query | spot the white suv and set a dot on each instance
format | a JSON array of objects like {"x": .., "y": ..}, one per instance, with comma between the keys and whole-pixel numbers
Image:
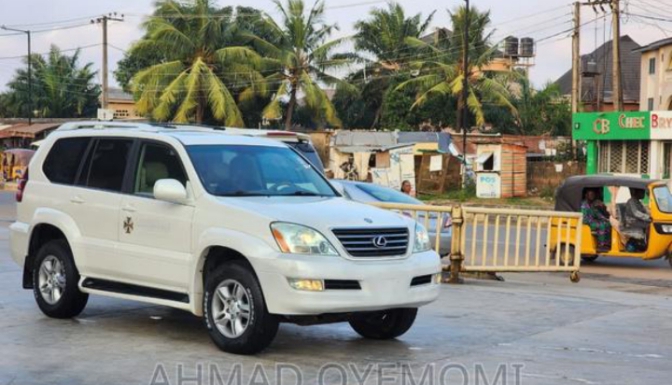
[{"x": 242, "y": 231}]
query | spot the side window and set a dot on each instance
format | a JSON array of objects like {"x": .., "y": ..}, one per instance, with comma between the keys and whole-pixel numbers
[
  {"x": 64, "y": 159},
  {"x": 157, "y": 162},
  {"x": 108, "y": 164}
]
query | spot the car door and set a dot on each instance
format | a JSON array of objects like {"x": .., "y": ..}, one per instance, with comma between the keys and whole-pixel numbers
[
  {"x": 94, "y": 204},
  {"x": 155, "y": 236}
]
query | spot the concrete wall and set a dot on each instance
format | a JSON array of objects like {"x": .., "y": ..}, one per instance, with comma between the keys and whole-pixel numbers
[{"x": 657, "y": 86}]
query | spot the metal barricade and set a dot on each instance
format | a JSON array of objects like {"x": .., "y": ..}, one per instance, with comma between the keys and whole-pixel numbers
[{"x": 501, "y": 240}]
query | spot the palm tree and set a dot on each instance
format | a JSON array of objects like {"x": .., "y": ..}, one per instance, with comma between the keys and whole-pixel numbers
[
  {"x": 393, "y": 39},
  {"x": 442, "y": 73},
  {"x": 61, "y": 88},
  {"x": 297, "y": 57},
  {"x": 197, "y": 40}
]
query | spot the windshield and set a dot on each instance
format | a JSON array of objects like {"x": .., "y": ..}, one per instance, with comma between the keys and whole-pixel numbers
[
  {"x": 663, "y": 198},
  {"x": 385, "y": 194},
  {"x": 235, "y": 170}
]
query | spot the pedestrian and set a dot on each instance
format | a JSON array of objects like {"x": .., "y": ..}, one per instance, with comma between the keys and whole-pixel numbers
[
  {"x": 406, "y": 188},
  {"x": 594, "y": 216}
]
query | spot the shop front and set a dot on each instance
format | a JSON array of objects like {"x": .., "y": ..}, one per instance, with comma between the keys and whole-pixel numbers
[{"x": 626, "y": 143}]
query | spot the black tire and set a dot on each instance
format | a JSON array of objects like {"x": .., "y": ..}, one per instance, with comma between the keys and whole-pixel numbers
[
  {"x": 71, "y": 301},
  {"x": 569, "y": 253},
  {"x": 261, "y": 326},
  {"x": 383, "y": 325},
  {"x": 588, "y": 258}
]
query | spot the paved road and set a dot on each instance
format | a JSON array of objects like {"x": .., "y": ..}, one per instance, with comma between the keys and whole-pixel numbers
[{"x": 539, "y": 328}]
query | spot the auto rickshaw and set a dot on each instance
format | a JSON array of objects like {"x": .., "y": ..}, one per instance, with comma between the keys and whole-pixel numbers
[
  {"x": 614, "y": 191},
  {"x": 15, "y": 163}
]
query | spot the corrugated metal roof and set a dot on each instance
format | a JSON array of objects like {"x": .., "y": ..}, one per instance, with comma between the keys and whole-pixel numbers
[
  {"x": 356, "y": 149},
  {"x": 364, "y": 138}
]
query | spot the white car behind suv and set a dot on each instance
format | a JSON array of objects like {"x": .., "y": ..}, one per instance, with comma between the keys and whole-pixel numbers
[{"x": 239, "y": 230}]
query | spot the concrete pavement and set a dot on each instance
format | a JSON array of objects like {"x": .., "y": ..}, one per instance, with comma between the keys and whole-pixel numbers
[{"x": 531, "y": 329}]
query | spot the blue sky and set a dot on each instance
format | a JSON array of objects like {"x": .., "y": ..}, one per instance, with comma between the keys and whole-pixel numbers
[{"x": 534, "y": 18}]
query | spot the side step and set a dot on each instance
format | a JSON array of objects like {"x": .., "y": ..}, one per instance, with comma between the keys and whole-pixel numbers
[{"x": 134, "y": 290}]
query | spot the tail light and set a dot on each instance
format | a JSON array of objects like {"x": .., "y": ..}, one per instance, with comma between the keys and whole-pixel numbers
[
  {"x": 22, "y": 186},
  {"x": 447, "y": 221}
]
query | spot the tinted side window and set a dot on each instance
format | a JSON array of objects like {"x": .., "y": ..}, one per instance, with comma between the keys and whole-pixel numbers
[
  {"x": 157, "y": 162},
  {"x": 64, "y": 159},
  {"x": 108, "y": 164}
]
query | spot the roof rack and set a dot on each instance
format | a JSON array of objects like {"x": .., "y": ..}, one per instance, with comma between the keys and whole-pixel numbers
[{"x": 155, "y": 127}]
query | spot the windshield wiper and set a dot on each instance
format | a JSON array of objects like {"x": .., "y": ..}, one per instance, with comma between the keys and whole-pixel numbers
[
  {"x": 241, "y": 193},
  {"x": 302, "y": 193}
]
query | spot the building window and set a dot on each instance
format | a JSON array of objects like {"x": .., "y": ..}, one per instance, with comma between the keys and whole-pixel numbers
[
  {"x": 650, "y": 104},
  {"x": 624, "y": 157},
  {"x": 652, "y": 66}
]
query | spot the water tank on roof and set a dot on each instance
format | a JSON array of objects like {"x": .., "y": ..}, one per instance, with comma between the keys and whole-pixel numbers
[
  {"x": 591, "y": 66},
  {"x": 527, "y": 47},
  {"x": 511, "y": 46}
]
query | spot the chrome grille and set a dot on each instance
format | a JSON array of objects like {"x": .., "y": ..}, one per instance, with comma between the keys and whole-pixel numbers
[{"x": 374, "y": 242}]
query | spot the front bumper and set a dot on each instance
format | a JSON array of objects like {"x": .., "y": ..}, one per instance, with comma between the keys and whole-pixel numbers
[{"x": 384, "y": 284}]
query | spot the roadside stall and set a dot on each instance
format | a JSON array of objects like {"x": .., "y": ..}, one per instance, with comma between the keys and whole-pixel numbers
[
  {"x": 501, "y": 170},
  {"x": 15, "y": 162}
]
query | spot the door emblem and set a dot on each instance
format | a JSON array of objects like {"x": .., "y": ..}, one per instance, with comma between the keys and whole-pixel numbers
[
  {"x": 128, "y": 225},
  {"x": 380, "y": 242}
]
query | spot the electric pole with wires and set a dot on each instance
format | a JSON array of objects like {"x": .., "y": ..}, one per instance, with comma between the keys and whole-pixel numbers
[
  {"x": 30, "y": 73},
  {"x": 465, "y": 91},
  {"x": 103, "y": 21}
]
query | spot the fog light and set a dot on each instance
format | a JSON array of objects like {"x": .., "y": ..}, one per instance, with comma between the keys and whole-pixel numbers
[
  {"x": 438, "y": 278},
  {"x": 307, "y": 284}
]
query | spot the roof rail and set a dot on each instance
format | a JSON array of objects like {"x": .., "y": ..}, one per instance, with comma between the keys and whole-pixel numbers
[{"x": 95, "y": 124}]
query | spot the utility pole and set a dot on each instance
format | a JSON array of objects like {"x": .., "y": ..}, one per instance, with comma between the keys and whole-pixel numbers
[
  {"x": 617, "y": 90},
  {"x": 103, "y": 20},
  {"x": 30, "y": 73},
  {"x": 576, "y": 59},
  {"x": 465, "y": 91}
]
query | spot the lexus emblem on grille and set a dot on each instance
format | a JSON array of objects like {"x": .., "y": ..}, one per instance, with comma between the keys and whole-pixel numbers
[{"x": 380, "y": 242}]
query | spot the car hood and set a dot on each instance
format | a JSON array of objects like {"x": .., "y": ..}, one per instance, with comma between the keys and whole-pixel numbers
[{"x": 322, "y": 213}]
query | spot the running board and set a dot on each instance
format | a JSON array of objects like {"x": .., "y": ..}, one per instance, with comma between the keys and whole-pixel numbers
[{"x": 134, "y": 290}]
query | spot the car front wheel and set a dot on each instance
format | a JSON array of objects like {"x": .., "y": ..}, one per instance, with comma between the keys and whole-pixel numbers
[
  {"x": 235, "y": 312},
  {"x": 383, "y": 325}
]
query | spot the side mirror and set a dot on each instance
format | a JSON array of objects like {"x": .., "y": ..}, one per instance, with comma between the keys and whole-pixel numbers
[{"x": 170, "y": 190}]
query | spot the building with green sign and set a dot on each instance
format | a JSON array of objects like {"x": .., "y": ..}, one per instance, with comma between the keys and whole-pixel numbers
[{"x": 632, "y": 143}]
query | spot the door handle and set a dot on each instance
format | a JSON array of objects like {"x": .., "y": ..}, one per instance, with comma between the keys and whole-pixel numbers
[
  {"x": 77, "y": 199},
  {"x": 128, "y": 208}
]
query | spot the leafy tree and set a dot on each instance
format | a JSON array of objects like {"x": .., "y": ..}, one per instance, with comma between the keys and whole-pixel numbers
[
  {"x": 392, "y": 39},
  {"x": 297, "y": 58},
  {"x": 539, "y": 112},
  {"x": 442, "y": 74},
  {"x": 61, "y": 88},
  {"x": 193, "y": 81}
]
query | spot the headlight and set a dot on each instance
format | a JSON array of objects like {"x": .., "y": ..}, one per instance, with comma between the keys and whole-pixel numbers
[
  {"x": 297, "y": 239},
  {"x": 421, "y": 239}
]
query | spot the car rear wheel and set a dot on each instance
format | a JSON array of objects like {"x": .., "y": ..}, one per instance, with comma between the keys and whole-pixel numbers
[
  {"x": 235, "y": 312},
  {"x": 55, "y": 280},
  {"x": 383, "y": 325}
]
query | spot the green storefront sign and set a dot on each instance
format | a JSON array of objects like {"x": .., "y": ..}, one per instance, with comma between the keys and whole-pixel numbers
[
  {"x": 597, "y": 126},
  {"x": 611, "y": 126}
]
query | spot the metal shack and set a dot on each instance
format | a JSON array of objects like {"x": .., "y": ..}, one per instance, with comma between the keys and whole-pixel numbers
[{"x": 501, "y": 170}]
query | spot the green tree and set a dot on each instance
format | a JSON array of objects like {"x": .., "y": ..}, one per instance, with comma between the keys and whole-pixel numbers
[
  {"x": 193, "y": 82},
  {"x": 61, "y": 88},
  {"x": 297, "y": 57},
  {"x": 442, "y": 73},
  {"x": 540, "y": 112},
  {"x": 392, "y": 40}
]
